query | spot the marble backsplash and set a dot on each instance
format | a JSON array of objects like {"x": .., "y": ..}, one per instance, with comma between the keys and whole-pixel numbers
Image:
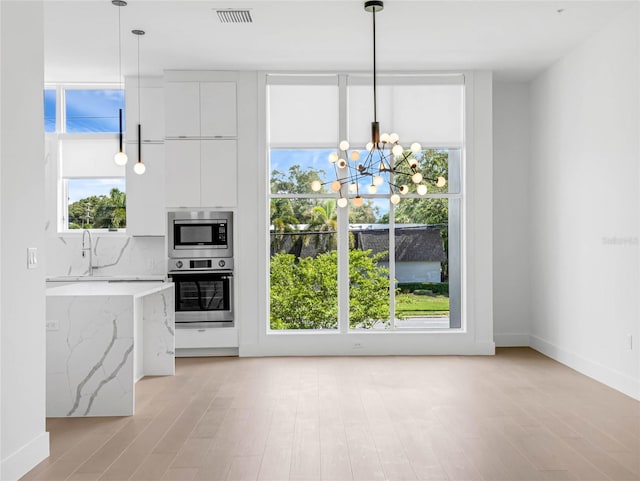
[{"x": 113, "y": 255}]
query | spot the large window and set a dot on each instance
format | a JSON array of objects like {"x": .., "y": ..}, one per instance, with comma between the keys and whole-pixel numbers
[
  {"x": 84, "y": 124},
  {"x": 378, "y": 266}
]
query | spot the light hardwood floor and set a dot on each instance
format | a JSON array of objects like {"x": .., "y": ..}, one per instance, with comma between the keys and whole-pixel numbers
[{"x": 514, "y": 416}]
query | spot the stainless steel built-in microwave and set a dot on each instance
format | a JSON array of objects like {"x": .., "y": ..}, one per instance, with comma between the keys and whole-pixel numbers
[{"x": 201, "y": 233}]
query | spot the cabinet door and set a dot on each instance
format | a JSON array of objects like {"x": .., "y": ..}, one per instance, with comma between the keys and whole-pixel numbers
[
  {"x": 146, "y": 193},
  {"x": 219, "y": 173},
  {"x": 182, "y": 109},
  {"x": 183, "y": 173},
  {"x": 218, "y": 109},
  {"x": 151, "y": 113}
]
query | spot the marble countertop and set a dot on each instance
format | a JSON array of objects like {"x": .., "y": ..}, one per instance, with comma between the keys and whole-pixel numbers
[
  {"x": 132, "y": 278},
  {"x": 105, "y": 288}
]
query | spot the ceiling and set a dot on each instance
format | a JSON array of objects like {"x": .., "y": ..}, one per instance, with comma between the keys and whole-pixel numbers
[{"x": 515, "y": 38}]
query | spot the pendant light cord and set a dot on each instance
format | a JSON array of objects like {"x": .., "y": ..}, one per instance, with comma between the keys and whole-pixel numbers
[
  {"x": 138, "y": 78},
  {"x": 139, "y": 120},
  {"x": 375, "y": 113},
  {"x": 120, "y": 51}
]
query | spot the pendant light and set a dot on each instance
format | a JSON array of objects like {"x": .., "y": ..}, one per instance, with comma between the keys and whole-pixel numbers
[
  {"x": 120, "y": 158},
  {"x": 139, "y": 167},
  {"x": 385, "y": 159}
]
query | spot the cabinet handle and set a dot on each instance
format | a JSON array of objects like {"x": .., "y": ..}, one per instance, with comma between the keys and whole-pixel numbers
[
  {"x": 182, "y": 136},
  {"x": 202, "y": 330}
]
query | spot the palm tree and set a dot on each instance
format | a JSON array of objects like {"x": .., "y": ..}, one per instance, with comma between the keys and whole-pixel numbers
[
  {"x": 283, "y": 222},
  {"x": 323, "y": 222}
]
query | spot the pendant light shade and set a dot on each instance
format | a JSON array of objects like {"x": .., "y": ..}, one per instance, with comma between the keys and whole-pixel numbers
[{"x": 120, "y": 158}]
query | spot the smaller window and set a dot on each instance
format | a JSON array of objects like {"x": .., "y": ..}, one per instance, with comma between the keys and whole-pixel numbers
[
  {"x": 93, "y": 110},
  {"x": 50, "y": 110},
  {"x": 95, "y": 203}
]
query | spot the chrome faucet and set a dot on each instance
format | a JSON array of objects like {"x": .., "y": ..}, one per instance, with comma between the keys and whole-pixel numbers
[{"x": 86, "y": 232}]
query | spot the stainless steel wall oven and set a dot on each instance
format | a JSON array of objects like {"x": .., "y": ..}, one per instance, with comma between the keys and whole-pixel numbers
[{"x": 200, "y": 264}]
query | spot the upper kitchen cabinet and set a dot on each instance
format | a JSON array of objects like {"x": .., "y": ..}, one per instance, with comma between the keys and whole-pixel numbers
[
  {"x": 146, "y": 193},
  {"x": 218, "y": 117},
  {"x": 151, "y": 108},
  {"x": 200, "y": 109},
  {"x": 201, "y": 173}
]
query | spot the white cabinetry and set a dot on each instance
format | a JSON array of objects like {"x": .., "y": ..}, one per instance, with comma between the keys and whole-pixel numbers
[
  {"x": 205, "y": 338},
  {"x": 201, "y": 110},
  {"x": 151, "y": 112},
  {"x": 218, "y": 113},
  {"x": 183, "y": 109},
  {"x": 201, "y": 173},
  {"x": 145, "y": 193},
  {"x": 201, "y": 139}
]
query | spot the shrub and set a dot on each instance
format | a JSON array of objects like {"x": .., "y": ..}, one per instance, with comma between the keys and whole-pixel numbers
[
  {"x": 437, "y": 288},
  {"x": 304, "y": 291}
]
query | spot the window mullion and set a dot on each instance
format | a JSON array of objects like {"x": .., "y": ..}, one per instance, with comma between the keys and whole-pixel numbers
[{"x": 343, "y": 221}]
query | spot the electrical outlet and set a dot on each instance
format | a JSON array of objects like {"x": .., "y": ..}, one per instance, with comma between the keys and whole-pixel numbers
[
  {"x": 357, "y": 345},
  {"x": 52, "y": 325}
]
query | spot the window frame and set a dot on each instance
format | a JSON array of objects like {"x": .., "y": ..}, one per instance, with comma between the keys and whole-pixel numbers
[
  {"x": 344, "y": 80},
  {"x": 54, "y": 140}
]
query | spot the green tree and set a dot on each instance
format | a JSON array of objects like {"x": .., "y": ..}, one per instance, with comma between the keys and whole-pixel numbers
[
  {"x": 304, "y": 292},
  {"x": 99, "y": 212}
]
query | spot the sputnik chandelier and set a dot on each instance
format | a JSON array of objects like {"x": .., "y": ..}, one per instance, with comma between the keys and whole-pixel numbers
[{"x": 385, "y": 159}]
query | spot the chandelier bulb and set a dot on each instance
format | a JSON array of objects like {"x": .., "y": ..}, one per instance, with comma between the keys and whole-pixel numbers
[
  {"x": 416, "y": 147},
  {"x": 441, "y": 182},
  {"x": 397, "y": 150},
  {"x": 421, "y": 189},
  {"x": 378, "y": 180},
  {"x": 395, "y": 198},
  {"x": 333, "y": 157},
  {"x": 353, "y": 187},
  {"x": 372, "y": 189},
  {"x": 384, "y": 138},
  {"x": 355, "y": 155},
  {"x": 416, "y": 178},
  {"x": 316, "y": 185},
  {"x": 358, "y": 201},
  {"x": 393, "y": 138},
  {"x": 342, "y": 163},
  {"x": 404, "y": 189},
  {"x": 413, "y": 163},
  {"x": 335, "y": 185},
  {"x": 342, "y": 202},
  {"x": 344, "y": 145},
  {"x": 369, "y": 146},
  {"x": 120, "y": 158}
]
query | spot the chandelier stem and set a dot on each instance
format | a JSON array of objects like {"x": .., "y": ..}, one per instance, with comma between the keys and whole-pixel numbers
[{"x": 375, "y": 103}]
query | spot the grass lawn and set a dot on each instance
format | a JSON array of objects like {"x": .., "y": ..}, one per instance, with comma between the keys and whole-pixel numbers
[{"x": 412, "y": 305}]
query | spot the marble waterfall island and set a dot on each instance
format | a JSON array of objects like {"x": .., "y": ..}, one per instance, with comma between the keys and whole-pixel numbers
[{"x": 102, "y": 337}]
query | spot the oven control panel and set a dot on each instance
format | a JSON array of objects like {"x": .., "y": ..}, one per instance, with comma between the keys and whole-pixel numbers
[{"x": 209, "y": 264}]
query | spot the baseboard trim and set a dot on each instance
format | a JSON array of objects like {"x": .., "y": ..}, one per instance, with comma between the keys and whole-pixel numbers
[
  {"x": 25, "y": 459},
  {"x": 610, "y": 377},
  {"x": 511, "y": 340}
]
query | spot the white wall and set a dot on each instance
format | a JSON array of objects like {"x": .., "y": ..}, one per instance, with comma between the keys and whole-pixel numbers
[
  {"x": 511, "y": 159},
  {"x": 584, "y": 185},
  {"x": 22, "y": 315}
]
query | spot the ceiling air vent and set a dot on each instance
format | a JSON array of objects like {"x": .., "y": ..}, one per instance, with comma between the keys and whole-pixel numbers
[{"x": 234, "y": 16}]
